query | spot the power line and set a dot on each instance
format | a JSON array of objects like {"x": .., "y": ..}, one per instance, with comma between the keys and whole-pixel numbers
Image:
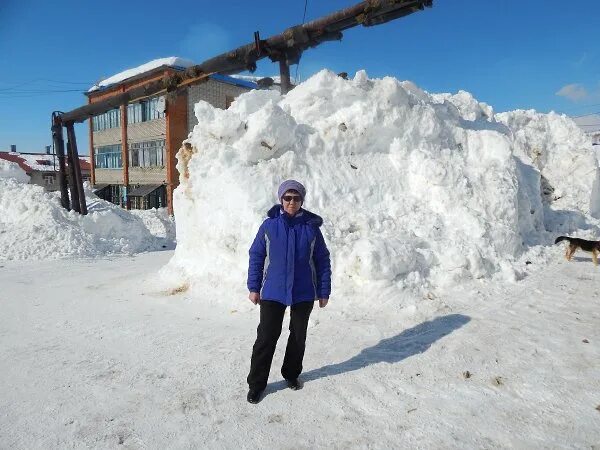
[
  {"x": 9, "y": 95},
  {"x": 25, "y": 83},
  {"x": 39, "y": 91},
  {"x": 581, "y": 107},
  {"x": 589, "y": 114}
]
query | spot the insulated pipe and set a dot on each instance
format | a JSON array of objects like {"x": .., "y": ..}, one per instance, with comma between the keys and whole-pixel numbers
[{"x": 292, "y": 41}]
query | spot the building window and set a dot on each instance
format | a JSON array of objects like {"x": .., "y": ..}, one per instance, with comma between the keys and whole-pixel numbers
[
  {"x": 146, "y": 110},
  {"x": 110, "y": 119},
  {"x": 48, "y": 179},
  {"x": 108, "y": 157},
  {"x": 147, "y": 154}
]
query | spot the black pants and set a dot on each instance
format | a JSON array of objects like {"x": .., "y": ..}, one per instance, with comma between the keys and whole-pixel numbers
[{"x": 268, "y": 332}]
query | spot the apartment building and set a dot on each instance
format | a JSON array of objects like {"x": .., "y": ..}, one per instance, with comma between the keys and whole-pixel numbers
[{"x": 133, "y": 147}]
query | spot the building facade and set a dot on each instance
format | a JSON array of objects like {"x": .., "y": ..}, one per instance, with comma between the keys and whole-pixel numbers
[{"x": 133, "y": 147}]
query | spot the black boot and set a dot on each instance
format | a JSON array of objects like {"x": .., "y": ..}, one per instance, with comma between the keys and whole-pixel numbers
[
  {"x": 253, "y": 396},
  {"x": 294, "y": 384}
]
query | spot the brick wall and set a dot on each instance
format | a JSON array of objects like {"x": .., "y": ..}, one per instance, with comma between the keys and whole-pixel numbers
[{"x": 214, "y": 92}]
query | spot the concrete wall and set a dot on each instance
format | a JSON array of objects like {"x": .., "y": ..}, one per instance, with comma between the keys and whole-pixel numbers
[
  {"x": 147, "y": 175},
  {"x": 109, "y": 176},
  {"x": 214, "y": 92},
  {"x": 147, "y": 131},
  {"x": 107, "y": 137}
]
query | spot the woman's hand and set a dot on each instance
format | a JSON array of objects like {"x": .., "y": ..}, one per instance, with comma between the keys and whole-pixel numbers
[
  {"x": 254, "y": 297},
  {"x": 323, "y": 302}
]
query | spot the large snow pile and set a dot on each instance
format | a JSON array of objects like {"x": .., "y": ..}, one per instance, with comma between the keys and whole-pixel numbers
[
  {"x": 11, "y": 170},
  {"x": 557, "y": 147},
  {"x": 415, "y": 189},
  {"x": 33, "y": 225}
]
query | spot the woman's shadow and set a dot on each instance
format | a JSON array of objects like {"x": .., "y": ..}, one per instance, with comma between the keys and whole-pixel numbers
[{"x": 410, "y": 342}]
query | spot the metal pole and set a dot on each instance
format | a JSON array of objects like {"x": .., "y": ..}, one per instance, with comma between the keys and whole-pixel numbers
[
  {"x": 59, "y": 145},
  {"x": 76, "y": 168},
  {"x": 72, "y": 180}
]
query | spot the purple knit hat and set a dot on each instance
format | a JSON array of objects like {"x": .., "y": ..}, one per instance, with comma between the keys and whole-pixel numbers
[{"x": 291, "y": 185}]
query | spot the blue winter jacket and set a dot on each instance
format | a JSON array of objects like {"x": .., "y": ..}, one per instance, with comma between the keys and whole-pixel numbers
[{"x": 289, "y": 261}]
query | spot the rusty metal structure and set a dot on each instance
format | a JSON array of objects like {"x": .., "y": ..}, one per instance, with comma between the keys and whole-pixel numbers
[{"x": 285, "y": 48}]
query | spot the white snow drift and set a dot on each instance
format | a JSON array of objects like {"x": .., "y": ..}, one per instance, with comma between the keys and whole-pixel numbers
[
  {"x": 33, "y": 225},
  {"x": 11, "y": 170},
  {"x": 415, "y": 189}
]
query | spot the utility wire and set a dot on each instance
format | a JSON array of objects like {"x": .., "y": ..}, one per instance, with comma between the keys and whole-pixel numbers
[
  {"x": 39, "y": 91},
  {"x": 25, "y": 83},
  {"x": 588, "y": 114},
  {"x": 26, "y": 95},
  {"x": 303, "y": 20},
  {"x": 581, "y": 107}
]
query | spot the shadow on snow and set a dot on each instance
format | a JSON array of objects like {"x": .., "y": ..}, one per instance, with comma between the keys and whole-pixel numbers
[{"x": 410, "y": 342}]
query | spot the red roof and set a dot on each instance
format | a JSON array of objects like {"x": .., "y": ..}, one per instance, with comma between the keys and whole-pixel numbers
[
  {"x": 14, "y": 157},
  {"x": 31, "y": 162}
]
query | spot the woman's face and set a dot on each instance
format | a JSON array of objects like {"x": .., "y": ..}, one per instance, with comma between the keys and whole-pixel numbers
[{"x": 291, "y": 202}]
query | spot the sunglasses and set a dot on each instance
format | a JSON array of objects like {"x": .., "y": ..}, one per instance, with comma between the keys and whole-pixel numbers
[{"x": 289, "y": 198}]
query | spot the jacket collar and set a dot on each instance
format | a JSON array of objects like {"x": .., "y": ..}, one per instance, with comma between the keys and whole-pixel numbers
[{"x": 303, "y": 216}]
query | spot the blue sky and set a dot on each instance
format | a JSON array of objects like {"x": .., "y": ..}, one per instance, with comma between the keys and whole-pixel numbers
[{"x": 541, "y": 54}]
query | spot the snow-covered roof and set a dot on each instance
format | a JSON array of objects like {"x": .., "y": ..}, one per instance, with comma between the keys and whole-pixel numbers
[
  {"x": 176, "y": 63},
  {"x": 172, "y": 61},
  {"x": 41, "y": 162},
  {"x": 234, "y": 80}
]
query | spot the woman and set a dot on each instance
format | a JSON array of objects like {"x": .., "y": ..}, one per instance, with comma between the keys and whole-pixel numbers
[{"x": 289, "y": 266}]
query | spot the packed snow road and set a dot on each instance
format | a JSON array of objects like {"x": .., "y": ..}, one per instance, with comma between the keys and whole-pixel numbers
[{"x": 93, "y": 355}]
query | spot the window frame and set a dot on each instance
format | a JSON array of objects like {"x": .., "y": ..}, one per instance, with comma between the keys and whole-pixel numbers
[
  {"x": 108, "y": 157},
  {"x": 149, "y": 154}
]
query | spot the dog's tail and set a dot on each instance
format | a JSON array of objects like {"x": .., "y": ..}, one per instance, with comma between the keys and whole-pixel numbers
[{"x": 561, "y": 238}]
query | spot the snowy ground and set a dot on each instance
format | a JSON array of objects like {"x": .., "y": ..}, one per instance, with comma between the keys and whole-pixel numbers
[{"x": 97, "y": 357}]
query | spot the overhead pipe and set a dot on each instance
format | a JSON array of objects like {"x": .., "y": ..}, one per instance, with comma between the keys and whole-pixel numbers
[{"x": 287, "y": 46}]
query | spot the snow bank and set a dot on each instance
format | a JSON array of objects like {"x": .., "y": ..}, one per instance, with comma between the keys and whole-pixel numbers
[
  {"x": 416, "y": 190},
  {"x": 561, "y": 152},
  {"x": 11, "y": 170},
  {"x": 33, "y": 225}
]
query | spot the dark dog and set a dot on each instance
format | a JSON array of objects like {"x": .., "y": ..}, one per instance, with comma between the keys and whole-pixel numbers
[{"x": 587, "y": 246}]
